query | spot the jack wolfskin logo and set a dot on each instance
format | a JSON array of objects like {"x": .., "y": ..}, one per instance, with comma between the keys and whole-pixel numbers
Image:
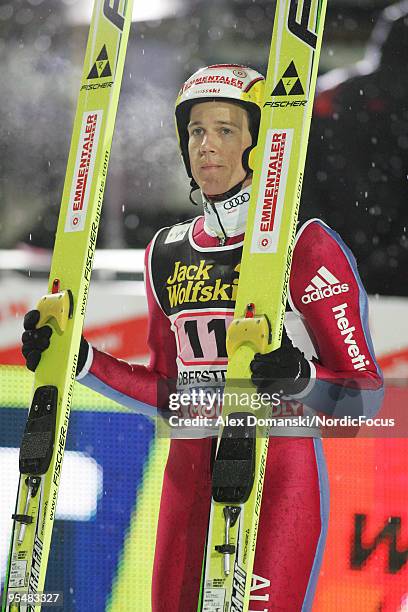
[{"x": 101, "y": 67}]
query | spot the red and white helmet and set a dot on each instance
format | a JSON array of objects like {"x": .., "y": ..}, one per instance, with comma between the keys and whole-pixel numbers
[{"x": 231, "y": 82}]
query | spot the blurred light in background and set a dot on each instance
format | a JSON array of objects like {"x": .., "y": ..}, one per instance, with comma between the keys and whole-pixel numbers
[
  {"x": 41, "y": 49},
  {"x": 79, "y": 11}
]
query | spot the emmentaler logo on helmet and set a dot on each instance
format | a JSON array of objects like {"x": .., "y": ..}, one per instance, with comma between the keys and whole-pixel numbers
[{"x": 323, "y": 285}]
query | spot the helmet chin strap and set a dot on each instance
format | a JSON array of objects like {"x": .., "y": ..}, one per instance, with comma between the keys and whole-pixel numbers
[
  {"x": 219, "y": 197},
  {"x": 227, "y": 218},
  {"x": 214, "y": 199},
  {"x": 193, "y": 187}
]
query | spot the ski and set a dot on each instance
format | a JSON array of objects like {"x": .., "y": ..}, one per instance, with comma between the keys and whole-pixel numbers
[
  {"x": 42, "y": 448},
  {"x": 278, "y": 164}
]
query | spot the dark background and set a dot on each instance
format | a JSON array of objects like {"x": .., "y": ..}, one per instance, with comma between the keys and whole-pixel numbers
[{"x": 356, "y": 172}]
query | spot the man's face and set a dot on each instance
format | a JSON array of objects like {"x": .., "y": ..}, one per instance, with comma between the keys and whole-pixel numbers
[{"x": 218, "y": 135}]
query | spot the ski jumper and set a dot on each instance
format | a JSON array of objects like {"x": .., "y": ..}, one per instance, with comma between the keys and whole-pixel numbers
[{"x": 191, "y": 284}]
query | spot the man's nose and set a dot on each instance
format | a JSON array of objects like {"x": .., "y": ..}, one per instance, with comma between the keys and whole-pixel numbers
[{"x": 207, "y": 143}]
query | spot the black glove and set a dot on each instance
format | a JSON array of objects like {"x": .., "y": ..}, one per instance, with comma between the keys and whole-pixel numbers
[
  {"x": 35, "y": 341},
  {"x": 284, "y": 370}
]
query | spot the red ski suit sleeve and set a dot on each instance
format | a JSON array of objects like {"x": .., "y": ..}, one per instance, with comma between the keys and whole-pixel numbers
[
  {"x": 327, "y": 293},
  {"x": 143, "y": 388}
]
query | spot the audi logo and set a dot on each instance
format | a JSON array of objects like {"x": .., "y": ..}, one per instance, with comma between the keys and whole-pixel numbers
[{"x": 237, "y": 201}]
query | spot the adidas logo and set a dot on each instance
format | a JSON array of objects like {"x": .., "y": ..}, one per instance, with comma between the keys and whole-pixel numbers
[{"x": 323, "y": 285}]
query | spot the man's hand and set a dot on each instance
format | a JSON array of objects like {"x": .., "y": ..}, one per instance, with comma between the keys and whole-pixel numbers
[
  {"x": 36, "y": 340},
  {"x": 284, "y": 370}
]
